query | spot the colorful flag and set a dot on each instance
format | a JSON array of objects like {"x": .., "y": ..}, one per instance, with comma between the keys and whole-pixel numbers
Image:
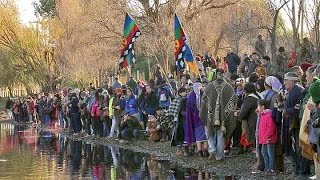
[
  {"x": 130, "y": 33},
  {"x": 183, "y": 52}
]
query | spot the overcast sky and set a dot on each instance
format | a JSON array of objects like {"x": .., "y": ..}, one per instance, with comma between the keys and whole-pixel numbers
[{"x": 26, "y": 11}]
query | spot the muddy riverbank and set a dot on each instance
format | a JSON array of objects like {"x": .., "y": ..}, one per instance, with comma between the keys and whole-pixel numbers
[{"x": 239, "y": 166}]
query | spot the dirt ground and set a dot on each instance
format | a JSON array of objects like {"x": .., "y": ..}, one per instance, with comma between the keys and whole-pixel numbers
[{"x": 239, "y": 166}]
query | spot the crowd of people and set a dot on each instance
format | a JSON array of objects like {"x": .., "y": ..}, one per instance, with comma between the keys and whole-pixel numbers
[{"x": 245, "y": 103}]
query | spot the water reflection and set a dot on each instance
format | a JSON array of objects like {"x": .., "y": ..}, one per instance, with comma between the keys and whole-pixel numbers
[{"x": 28, "y": 153}]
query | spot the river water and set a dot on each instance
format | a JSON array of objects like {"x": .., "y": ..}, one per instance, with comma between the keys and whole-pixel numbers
[{"x": 26, "y": 153}]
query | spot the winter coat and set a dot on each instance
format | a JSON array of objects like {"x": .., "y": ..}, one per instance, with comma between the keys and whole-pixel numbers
[
  {"x": 267, "y": 132},
  {"x": 95, "y": 109},
  {"x": 244, "y": 66},
  {"x": 165, "y": 95},
  {"x": 294, "y": 97},
  {"x": 233, "y": 61},
  {"x": 74, "y": 105},
  {"x": 148, "y": 103},
  {"x": 132, "y": 84},
  {"x": 131, "y": 106},
  {"x": 248, "y": 113},
  {"x": 271, "y": 70},
  {"x": 252, "y": 67},
  {"x": 131, "y": 124},
  {"x": 153, "y": 135}
]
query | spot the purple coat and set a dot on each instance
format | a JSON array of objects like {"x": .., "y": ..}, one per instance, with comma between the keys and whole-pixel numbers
[{"x": 192, "y": 119}]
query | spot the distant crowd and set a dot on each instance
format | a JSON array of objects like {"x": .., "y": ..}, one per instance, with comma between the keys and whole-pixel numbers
[{"x": 249, "y": 103}]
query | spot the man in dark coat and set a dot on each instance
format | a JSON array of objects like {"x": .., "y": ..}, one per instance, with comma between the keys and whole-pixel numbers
[
  {"x": 233, "y": 62},
  {"x": 291, "y": 124}
]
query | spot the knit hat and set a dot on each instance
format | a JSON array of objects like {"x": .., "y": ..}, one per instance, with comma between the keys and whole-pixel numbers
[
  {"x": 314, "y": 90},
  {"x": 304, "y": 66},
  {"x": 291, "y": 76}
]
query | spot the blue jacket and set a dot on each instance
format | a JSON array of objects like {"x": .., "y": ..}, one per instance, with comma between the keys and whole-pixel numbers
[
  {"x": 169, "y": 96},
  {"x": 149, "y": 103},
  {"x": 131, "y": 105}
]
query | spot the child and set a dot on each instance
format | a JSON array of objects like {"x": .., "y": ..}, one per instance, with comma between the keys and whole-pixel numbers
[
  {"x": 153, "y": 129},
  {"x": 267, "y": 135}
]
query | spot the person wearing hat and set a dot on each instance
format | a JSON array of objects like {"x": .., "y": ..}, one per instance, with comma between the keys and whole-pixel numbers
[
  {"x": 291, "y": 124},
  {"x": 315, "y": 122}
]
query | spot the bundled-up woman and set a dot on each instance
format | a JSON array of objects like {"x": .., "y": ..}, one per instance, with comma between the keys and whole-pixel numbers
[
  {"x": 96, "y": 112},
  {"x": 74, "y": 113},
  {"x": 148, "y": 103},
  {"x": 249, "y": 118},
  {"x": 115, "y": 111},
  {"x": 132, "y": 106},
  {"x": 17, "y": 110},
  {"x": 195, "y": 129}
]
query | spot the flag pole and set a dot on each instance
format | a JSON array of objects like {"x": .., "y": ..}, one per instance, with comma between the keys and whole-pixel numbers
[{"x": 166, "y": 77}]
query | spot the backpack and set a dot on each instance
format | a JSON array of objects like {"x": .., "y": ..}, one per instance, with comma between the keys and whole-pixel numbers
[{"x": 163, "y": 94}]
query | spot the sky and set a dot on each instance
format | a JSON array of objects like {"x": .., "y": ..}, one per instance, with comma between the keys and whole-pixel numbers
[{"x": 26, "y": 11}]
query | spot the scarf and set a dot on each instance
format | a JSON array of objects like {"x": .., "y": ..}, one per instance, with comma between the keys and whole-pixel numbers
[
  {"x": 196, "y": 88},
  {"x": 274, "y": 83}
]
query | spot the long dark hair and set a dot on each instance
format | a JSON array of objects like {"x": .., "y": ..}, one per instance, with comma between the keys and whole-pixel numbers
[{"x": 250, "y": 88}]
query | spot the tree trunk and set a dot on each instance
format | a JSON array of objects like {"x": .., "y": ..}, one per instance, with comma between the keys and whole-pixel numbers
[
  {"x": 10, "y": 91},
  {"x": 217, "y": 43}
]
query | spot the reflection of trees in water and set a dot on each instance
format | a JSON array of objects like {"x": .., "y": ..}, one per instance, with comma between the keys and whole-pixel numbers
[
  {"x": 79, "y": 159},
  {"x": 75, "y": 156}
]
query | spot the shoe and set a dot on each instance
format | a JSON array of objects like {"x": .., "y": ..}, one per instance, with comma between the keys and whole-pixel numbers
[
  {"x": 256, "y": 171},
  {"x": 272, "y": 172},
  {"x": 226, "y": 152},
  {"x": 313, "y": 177}
]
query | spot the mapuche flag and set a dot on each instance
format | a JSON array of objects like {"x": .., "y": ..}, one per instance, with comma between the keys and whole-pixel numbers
[
  {"x": 183, "y": 52},
  {"x": 130, "y": 33}
]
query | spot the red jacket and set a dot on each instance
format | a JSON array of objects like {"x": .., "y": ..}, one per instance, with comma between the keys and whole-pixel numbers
[
  {"x": 95, "y": 109},
  {"x": 267, "y": 128}
]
